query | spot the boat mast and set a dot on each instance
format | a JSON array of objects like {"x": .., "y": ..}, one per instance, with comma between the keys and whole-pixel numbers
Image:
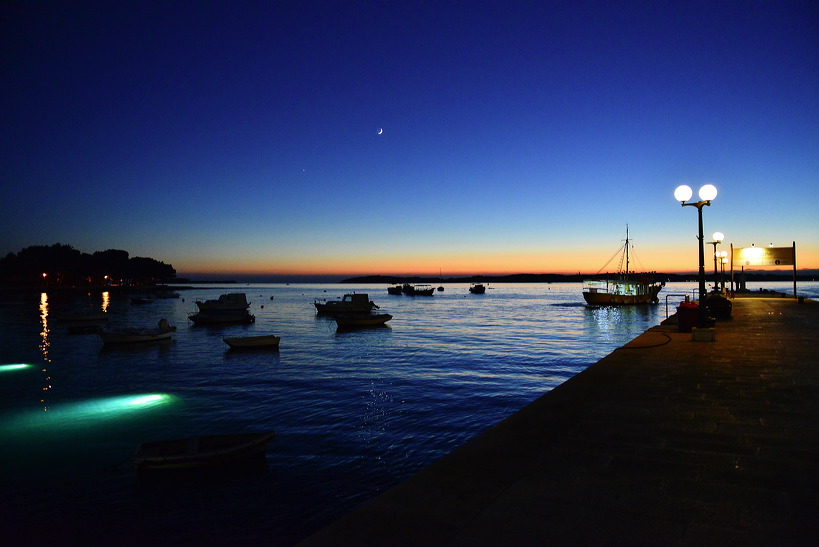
[{"x": 626, "y": 251}]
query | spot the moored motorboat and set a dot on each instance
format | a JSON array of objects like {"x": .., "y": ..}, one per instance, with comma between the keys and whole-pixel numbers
[
  {"x": 625, "y": 287},
  {"x": 206, "y": 451},
  {"x": 142, "y": 299},
  {"x": 350, "y": 303},
  {"x": 252, "y": 342},
  {"x": 477, "y": 288},
  {"x": 132, "y": 335},
  {"x": 231, "y": 302},
  {"x": 395, "y": 288},
  {"x": 349, "y": 321}
]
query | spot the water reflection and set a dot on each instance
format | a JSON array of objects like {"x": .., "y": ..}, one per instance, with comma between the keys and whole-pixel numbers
[
  {"x": 612, "y": 322},
  {"x": 45, "y": 346},
  {"x": 44, "y": 343},
  {"x": 106, "y": 301}
]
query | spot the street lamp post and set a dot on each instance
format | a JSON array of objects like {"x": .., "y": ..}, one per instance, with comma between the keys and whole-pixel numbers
[
  {"x": 718, "y": 237},
  {"x": 707, "y": 193},
  {"x": 723, "y": 259}
]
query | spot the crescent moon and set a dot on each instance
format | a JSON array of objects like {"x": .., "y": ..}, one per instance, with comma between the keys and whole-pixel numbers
[{"x": 380, "y": 131}]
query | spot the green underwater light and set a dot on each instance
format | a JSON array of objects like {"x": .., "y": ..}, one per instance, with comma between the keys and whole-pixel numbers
[
  {"x": 86, "y": 413},
  {"x": 13, "y": 367},
  {"x": 114, "y": 405}
]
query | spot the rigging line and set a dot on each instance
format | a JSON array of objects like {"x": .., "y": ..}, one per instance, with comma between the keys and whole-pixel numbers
[
  {"x": 637, "y": 259},
  {"x": 617, "y": 252}
]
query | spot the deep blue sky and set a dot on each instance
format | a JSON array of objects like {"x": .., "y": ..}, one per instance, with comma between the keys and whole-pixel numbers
[{"x": 517, "y": 136}]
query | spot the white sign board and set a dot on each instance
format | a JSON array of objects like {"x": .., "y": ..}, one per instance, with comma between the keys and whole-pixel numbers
[{"x": 764, "y": 256}]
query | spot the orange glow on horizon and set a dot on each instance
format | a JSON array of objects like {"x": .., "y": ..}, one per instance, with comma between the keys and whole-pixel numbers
[{"x": 570, "y": 261}]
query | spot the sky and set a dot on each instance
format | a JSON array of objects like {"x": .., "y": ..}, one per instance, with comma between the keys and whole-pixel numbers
[{"x": 358, "y": 138}]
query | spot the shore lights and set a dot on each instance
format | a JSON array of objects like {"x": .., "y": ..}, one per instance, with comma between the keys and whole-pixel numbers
[{"x": 707, "y": 193}]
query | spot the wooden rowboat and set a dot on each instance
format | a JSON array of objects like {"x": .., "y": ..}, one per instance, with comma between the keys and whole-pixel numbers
[
  {"x": 212, "y": 450},
  {"x": 248, "y": 342}
]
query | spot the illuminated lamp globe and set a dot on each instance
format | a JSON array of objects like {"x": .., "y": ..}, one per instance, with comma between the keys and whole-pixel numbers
[
  {"x": 708, "y": 192},
  {"x": 683, "y": 193},
  {"x": 718, "y": 236}
]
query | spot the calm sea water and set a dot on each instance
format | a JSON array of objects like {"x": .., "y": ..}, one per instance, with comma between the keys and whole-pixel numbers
[{"x": 354, "y": 412}]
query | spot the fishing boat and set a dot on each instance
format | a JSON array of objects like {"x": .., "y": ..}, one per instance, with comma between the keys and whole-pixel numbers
[
  {"x": 252, "y": 342},
  {"x": 350, "y": 303},
  {"x": 362, "y": 320},
  {"x": 204, "y": 451},
  {"x": 418, "y": 290},
  {"x": 132, "y": 335},
  {"x": 395, "y": 288},
  {"x": 477, "y": 288},
  {"x": 625, "y": 287}
]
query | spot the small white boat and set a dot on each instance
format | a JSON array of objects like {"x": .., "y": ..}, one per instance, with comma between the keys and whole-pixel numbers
[
  {"x": 142, "y": 299},
  {"x": 204, "y": 451},
  {"x": 362, "y": 320},
  {"x": 248, "y": 342},
  {"x": 130, "y": 335}
]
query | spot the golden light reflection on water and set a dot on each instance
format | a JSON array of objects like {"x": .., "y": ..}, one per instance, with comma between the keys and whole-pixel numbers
[
  {"x": 45, "y": 345},
  {"x": 106, "y": 301}
]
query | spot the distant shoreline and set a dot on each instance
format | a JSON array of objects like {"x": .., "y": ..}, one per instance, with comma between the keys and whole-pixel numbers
[
  {"x": 182, "y": 284},
  {"x": 566, "y": 278}
]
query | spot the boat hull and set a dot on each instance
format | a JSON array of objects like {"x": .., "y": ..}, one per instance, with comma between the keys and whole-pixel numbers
[
  {"x": 359, "y": 321},
  {"x": 641, "y": 294},
  {"x": 197, "y": 452},
  {"x": 252, "y": 342},
  {"x": 221, "y": 318},
  {"x": 418, "y": 290}
]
